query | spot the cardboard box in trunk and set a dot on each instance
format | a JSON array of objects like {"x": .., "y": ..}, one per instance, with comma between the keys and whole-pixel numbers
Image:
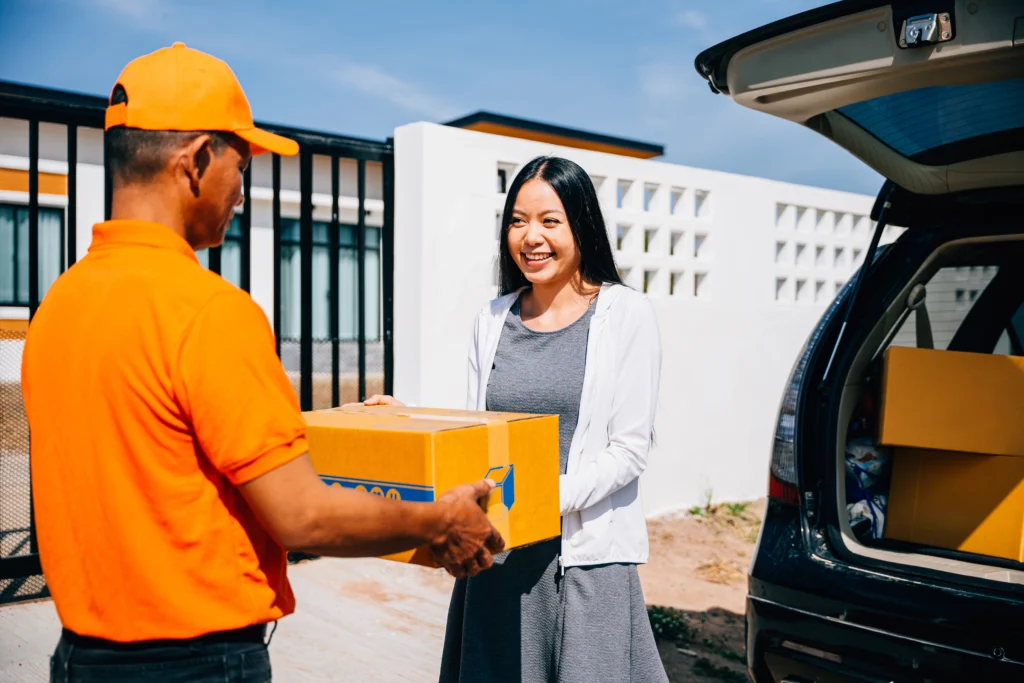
[
  {"x": 952, "y": 401},
  {"x": 416, "y": 454},
  {"x": 958, "y": 501},
  {"x": 958, "y": 461}
]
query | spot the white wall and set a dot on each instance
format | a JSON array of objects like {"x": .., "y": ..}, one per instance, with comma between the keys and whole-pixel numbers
[{"x": 727, "y": 351}]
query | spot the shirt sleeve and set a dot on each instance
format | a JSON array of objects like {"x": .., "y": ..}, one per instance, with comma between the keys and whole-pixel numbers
[
  {"x": 233, "y": 389},
  {"x": 631, "y": 424}
]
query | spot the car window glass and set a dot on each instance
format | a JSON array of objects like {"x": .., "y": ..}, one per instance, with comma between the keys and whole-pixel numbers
[{"x": 951, "y": 293}]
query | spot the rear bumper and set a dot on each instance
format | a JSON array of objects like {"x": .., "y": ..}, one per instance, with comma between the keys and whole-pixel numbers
[{"x": 789, "y": 644}]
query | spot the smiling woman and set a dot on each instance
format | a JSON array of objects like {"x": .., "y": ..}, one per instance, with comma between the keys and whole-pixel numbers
[{"x": 566, "y": 338}]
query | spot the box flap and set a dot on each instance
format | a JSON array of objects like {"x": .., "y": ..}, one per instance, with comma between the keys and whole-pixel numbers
[{"x": 405, "y": 418}]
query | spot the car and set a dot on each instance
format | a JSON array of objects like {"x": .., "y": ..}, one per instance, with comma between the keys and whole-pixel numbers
[{"x": 930, "y": 94}]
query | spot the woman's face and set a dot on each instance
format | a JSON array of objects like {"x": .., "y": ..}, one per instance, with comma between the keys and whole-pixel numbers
[{"x": 539, "y": 237}]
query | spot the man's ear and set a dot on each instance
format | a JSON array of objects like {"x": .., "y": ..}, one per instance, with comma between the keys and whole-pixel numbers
[{"x": 193, "y": 160}]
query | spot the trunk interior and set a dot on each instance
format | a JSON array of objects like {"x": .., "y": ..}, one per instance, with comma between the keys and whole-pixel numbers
[{"x": 967, "y": 296}]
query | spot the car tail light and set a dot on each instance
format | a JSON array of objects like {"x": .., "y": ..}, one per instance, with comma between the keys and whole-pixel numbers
[{"x": 783, "y": 481}]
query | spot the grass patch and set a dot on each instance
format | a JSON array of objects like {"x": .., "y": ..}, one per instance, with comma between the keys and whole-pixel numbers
[{"x": 669, "y": 624}]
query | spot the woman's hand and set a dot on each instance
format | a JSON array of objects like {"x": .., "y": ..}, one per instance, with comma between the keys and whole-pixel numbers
[{"x": 377, "y": 400}]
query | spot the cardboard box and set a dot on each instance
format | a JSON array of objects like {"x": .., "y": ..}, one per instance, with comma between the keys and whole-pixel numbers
[
  {"x": 946, "y": 400},
  {"x": 960, "y": 501},
  {"x": 417, "y": 454}
]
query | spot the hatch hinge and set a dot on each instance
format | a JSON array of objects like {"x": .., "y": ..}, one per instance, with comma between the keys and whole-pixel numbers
[{"x": 926, "y": 29}]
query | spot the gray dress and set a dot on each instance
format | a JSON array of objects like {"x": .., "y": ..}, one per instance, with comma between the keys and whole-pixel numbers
[{"x": 521, "y": 620}]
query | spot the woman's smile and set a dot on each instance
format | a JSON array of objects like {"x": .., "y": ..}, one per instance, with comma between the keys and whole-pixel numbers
[{"x": 538, "y": 259}]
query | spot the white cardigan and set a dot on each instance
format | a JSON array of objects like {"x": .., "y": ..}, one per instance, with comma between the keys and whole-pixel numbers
[{"x": 603, "y": 516}]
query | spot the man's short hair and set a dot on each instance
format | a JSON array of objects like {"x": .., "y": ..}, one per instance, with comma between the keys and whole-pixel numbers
[{"x": 136, "y": 155}]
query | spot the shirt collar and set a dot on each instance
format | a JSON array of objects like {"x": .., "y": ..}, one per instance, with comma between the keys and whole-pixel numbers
[{"x": 139, "y": 233}]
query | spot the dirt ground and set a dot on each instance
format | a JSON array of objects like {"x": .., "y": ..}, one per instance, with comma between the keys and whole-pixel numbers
[{"x": 695, "y": 587}]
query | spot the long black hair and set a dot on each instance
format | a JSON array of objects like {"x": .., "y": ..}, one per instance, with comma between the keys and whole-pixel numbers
[{"x": 576, "y": 191}]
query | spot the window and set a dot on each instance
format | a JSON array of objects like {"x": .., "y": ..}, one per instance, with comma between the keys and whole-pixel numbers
[
  {"x": 955, "y": 114},
  {"x": 348, "y": 276},
  {"x": 675, "y": 285},
  {"x": 801, "y": 250},
  {"x": 649, "y": 235},
  {"x": 825, "y": 221},
  {"x": 842, "y": 223},
  {"x": 621, "y": 234},
  {"x": 622, "y": 193},
  {"x": 649, "y": 192},
  {"x": 677, "y": 243},
  {"x": 14, "y": 266},
  {"x": 700, "y": 285},
  {"x": 840, "y": 257},
  {"x": 497, "y": 225},
  {"x": 819, "y": 290},
  {"x": 649, "y": 277},
  {"x": 856, "y": 256},
  {"x": 782, "y": 213},
  {"x": 701, "y": 206},
  {"x": 801, "y": 289},
  {"x": 230, "y": 253},
  {"x": 624, "y": 274},
  {"x": 803, "y": 219},
  {"x": 780, "y": 250},
  {"x": 781, "y": 289},
  {"x": 699, "y": 245},
  {"x": 505, "y": 173},
  {"x": 819, "y": 257},
  {"x": 949, "y": 303},
  {"x": 675, "y": 200}
]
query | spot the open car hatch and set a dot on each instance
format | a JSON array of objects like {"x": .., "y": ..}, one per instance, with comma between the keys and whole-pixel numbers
[{"x": 928, "y": 93}]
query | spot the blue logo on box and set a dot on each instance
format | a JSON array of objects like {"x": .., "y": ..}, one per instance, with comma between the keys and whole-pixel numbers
[
  {"x": 385, "y": 489},
  {"x": 505, "y": 478}
]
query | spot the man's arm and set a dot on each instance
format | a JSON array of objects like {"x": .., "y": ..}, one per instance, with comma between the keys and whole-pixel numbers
[
  {"x": 303, "y": 514},
  {"x": 246, "y": 419}
]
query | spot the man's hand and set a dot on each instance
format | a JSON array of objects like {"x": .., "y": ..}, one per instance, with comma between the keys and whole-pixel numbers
[
  {"x": 304, "y": 514},
  {"x": 466, "y": 547}
]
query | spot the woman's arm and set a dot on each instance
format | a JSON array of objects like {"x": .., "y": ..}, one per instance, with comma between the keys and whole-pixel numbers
[{"x": 631, "y": 426}]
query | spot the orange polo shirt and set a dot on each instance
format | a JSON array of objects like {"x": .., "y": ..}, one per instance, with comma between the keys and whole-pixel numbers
[{"x": 153, "y": 391}]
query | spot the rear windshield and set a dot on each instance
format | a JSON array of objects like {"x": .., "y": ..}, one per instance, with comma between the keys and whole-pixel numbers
[{"x": 946, "y": 124}]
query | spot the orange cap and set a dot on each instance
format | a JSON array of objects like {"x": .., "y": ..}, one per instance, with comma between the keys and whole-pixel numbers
[{"x": 178, "y": 88}]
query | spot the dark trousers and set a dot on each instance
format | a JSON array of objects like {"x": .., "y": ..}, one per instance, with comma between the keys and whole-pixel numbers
[{"x": 230, "y": 657}]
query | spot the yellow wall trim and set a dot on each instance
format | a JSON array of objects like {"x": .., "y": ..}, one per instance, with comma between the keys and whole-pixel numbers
[{"x": 16, "y": 180}]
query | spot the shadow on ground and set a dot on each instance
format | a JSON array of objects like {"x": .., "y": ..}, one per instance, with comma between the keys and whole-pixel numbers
[{"x": 700, "y": 647}]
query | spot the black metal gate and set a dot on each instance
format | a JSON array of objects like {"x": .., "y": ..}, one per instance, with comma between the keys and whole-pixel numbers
[{"x": 334, "y": 331}]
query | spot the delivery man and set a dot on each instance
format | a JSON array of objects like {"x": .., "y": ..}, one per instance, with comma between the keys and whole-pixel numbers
[{"x": 169, "y": 455}]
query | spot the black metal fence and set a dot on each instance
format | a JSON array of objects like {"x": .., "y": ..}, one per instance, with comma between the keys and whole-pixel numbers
[{"x": 304, "y": 354}]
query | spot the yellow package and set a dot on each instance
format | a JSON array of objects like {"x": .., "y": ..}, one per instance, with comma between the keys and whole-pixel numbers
[
  {"x": 952, "y": 401},
  {"x": 960, "y": 501},
  {"x": 416, "y": 454}
]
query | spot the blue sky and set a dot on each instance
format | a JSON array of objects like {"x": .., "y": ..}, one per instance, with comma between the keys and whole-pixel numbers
[{"x": 621, "y": 68}]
